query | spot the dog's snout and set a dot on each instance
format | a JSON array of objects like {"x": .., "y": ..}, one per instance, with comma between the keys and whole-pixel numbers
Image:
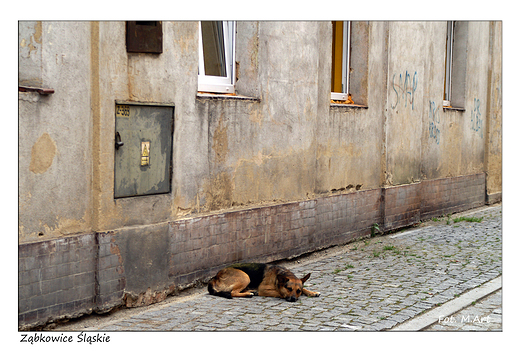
[{"x": 291, "y": 299}]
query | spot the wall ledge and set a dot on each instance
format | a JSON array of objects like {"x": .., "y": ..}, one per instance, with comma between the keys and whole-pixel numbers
[
  {"x": 215, "y": 96},
  {"x": 41, "y": 91}
]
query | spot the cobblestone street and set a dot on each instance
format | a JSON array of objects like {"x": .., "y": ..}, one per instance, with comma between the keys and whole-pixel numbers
[
  {"x": 485, "y": 315},
  {"x": 369, "y": 285}
]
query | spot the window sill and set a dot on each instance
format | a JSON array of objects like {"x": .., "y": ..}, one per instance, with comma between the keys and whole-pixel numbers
[
  {"x": 221, "y": 96},
  {"x": 451, "y": 108},
  {"x": 340, "y": 104}
]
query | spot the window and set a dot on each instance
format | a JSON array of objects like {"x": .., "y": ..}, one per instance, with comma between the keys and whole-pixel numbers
[
  {"x": 456, "y": 58},
  {"x": 341, "y": 32},
  {"x": 217, "y": 56},
  {"x": 349, "y": 82},
  {"x": 449, "y": 64}
]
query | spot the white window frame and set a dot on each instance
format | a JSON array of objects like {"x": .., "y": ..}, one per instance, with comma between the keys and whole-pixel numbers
[
  {"x": 449, "y": 63},
  {"x": 216, "y": 84},
  {"x": 345, "y": 65}
]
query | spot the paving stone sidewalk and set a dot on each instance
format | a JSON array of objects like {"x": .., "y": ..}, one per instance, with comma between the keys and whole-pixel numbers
[
  {"x": 373, "y": 284},
  {"x": 484, "y": 315}
]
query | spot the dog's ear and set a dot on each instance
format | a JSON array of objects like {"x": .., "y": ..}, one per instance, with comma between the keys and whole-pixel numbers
[{"x": 304, "y": 279}]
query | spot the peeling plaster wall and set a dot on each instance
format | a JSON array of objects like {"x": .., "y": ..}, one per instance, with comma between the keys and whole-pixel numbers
[
  {"x": 494, "y": 114},
  {"x": 406, "y": 91},
  {"x": 457, "y": 138},
  {"x": 424, "y": 140},
  {"x": 275, "y": 171},
  {"x": 54, "y": 140},
  {"x": 281, "y": 141},
  {"x": 30, "y": 53}
]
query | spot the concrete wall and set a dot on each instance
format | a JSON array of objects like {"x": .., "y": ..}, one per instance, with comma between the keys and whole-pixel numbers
[
  {"x": 55, "y": 131},
  {"x": 278, "y": 152},
  {"x": 493, "y": 137}
]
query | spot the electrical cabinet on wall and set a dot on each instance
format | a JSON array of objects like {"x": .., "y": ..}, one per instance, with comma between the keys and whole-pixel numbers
[{"x": 143, "y": 149}]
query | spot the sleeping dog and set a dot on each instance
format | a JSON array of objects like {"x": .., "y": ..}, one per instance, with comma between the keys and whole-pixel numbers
[{"x": 249, "y": 279}]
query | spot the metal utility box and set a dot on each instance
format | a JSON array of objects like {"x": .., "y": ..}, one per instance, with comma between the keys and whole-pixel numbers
[{"x": 143, "y": 149}]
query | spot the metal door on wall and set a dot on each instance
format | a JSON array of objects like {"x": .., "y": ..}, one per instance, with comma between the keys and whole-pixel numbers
[{"x": 143, "y": 149}]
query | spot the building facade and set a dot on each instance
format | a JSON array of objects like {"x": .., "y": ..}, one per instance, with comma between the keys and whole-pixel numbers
[{"x": 152, "y": 154}]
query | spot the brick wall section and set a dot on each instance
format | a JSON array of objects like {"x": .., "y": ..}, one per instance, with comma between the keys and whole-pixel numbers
[
  {"x": 110, "y": 275},
  {"x": 402, "y": 206},
  {"x": 343, "y": 218},
  {"x": 79, "y": 274},
  {"x": 56, "y": 278},
  {"x": 408, "y": 204},
  {"x": 200, "y": 246},
  {"x": 450, "y": 195}
]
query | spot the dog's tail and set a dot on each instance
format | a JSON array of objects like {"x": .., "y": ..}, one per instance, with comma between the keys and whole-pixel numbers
[{"x": 212, "y": 291}]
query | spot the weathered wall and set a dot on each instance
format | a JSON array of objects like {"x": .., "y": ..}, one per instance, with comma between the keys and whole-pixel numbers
[
  {"x": 276, "y": 171},
  {"x": 406, "y": 91},
  {"x": 282, "y": 143},
  {"x": 493, "y": 141},
  {"x": 55, "y": 131},
  {"x": 170, "y": 77},
  {"x": 350, "y": 139},
  {"x": 425, "y": 141},
  {"x": 30, "y": 53},
  {"x": 263, "y": 150},
  {"x": 454, "y": 142}
]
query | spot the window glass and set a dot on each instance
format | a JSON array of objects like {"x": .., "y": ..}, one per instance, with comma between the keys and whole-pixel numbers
[
  {"x": 340, "y": 59},
  {"x": 449, "y": 62},
  {"x": 456, "y": 64},
  {"x": 214, "y": 49}
]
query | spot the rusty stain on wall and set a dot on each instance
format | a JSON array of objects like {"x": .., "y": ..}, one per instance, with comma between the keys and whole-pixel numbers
[
  {"x": 451, "y": 162},
  {"x": 274, "y": 176},
  {"x": 42, "y": 154},
  {"x": 218, "y": 192},
  {"x": 255, "y": 115},
  {"x": 114, "y": 249},
  {"x": 55, "y": 228},
  {"x": 252, "y": 47},
  {"x": 72, "y": 225},
  {"x": 36, "y": 38},
  {"x": 220, "y": 141}
]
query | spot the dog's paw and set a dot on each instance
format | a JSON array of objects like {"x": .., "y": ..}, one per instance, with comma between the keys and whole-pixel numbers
[{"x": 316, "y": 294}]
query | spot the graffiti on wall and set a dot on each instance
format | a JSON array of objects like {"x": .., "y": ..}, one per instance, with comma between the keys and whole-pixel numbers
[
  {"x": 434, "y": 121},
  {"x": 476, "y": 118},
  {"x": 404, "y": 89}
]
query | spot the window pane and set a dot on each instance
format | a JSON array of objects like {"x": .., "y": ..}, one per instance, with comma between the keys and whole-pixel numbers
[
  {"x": 213, "y": 48},
  {"x": 449, "y": 61},
  {"x": 340, "y": 58},
  {"x": 337, "y": 56}
]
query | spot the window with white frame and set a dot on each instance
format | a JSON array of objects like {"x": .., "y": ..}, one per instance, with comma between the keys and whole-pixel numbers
[
  {"x": 449, "y": 64},
  {"x": 217, "y": 56},
  {"x": 456, "y": 64},
  {"x": 341, "y": 33}
]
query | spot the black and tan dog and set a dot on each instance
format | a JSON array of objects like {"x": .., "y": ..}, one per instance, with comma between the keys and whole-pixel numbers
[{"x": 249, "y": 279}]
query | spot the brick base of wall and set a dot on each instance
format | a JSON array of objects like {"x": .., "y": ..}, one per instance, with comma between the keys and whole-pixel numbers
[
  {"x": 96, "y": 272},
  {"x": 200, "y": 246},
  {"x": 56, "y": 278}
]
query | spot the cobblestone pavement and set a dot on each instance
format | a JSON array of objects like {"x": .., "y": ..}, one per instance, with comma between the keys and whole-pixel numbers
[
  {"x": 484, "y": 315},
  {"x": 372, "y": 284}
]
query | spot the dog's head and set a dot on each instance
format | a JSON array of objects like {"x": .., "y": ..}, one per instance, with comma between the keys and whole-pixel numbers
[{"x": 290, "y": 287}]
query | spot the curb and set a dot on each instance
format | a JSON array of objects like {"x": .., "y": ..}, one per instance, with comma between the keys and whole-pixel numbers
[{"x": 450, "y": 307}]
